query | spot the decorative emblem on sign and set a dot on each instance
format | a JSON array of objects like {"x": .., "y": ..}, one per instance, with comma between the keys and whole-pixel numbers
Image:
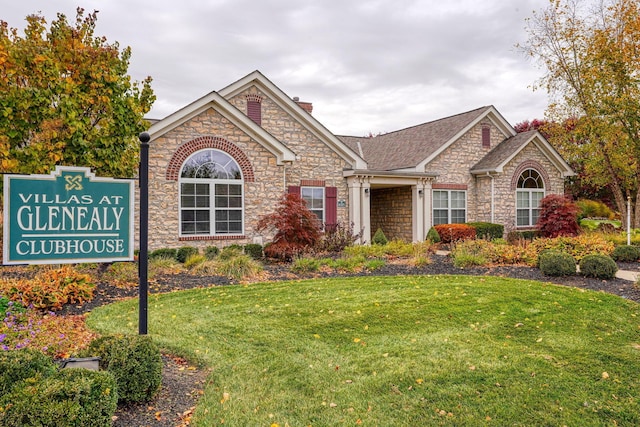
[{"x": 73, "y": 182}]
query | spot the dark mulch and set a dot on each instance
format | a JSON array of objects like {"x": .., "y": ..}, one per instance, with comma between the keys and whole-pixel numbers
[{"x": 183, "y": 384}]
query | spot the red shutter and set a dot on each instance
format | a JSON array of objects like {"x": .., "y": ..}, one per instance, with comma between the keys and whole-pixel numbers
[
  {"x": 294, "y": 189},
  {"x": 254, "y": 112},
  {"x": 486, "y": 136},
  {"x": 331, "y": 206}
]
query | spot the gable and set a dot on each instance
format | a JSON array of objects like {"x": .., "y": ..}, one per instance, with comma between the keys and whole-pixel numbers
[
  {"x": 213, "y": 101},
  {"x": 296, "y": 112},
  {"x": 503, "y": 153}
]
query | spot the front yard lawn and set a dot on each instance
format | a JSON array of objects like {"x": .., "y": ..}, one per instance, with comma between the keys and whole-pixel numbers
[{"x": 406, "y": 350}]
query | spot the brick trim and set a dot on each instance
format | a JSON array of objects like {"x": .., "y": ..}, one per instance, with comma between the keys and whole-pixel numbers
[
  {"x": 254, "y": 98},
  {"x": 449, "y": 187},
  {"x": 204, "y": 142},
  {"x": 311, "y": 183},
  {"x": 530, "y": 164},
  {"x": 219, "y": 237}
]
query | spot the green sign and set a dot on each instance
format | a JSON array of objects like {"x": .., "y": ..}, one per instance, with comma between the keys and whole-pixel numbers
[{"x": 69, "y": 216}]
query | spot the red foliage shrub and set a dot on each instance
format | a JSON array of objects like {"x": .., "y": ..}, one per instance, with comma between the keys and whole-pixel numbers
[
  {"x": 558, "y": 217},
  {"x": 455, "y": 232},
  {"x": 297, "y": 228}
]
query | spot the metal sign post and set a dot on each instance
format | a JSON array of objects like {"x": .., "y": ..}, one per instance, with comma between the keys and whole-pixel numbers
[{"x": 143, "y": 256}]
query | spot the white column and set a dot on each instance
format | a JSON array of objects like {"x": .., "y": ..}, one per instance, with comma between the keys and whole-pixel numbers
[
  {"x": 355, "y": 188},
  {"x": 426, "y": 200},
  {"x": 417, "y": 192},
  {"x": 365, "y": 211}
]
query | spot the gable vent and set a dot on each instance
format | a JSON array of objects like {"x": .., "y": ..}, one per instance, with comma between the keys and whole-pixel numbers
[{"x": 254, "y": 108}]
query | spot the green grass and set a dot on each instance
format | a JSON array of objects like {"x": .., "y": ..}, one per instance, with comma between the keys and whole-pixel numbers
[{"x": 401, "y": 351}]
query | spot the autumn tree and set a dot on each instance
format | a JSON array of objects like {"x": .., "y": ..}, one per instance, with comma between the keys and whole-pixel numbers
[
  {"x": 66, "y": 99},
  {"x": 591, "y": 54}
]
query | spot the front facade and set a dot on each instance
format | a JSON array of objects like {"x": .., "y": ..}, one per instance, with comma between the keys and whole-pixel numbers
[{"x": 222, "y": 162}]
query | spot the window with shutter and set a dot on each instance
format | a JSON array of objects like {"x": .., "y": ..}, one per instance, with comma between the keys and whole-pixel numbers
[{"x": 486, "y": 137}]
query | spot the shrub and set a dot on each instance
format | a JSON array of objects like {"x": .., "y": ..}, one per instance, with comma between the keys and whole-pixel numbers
[
  {"x": 254, "y": 250},
  {"x": 305, "y": 265},
  {"x": 170, "y": 253},
  {"x": 455, "y": 232},
  {"x": 230, "y": 252},
  {"x": 514, "y": 237},
  {"x": 594, "y": 209},
  {"x": 297, "y": 229},
  {"x": 577, "y": 247},
  {"x": 134, "y": 361},
  {"x": 472, "y": 252},
  {"x": 374, "y": 264},
  {"x": 69, "y": 397},
  {"x": 433, "y": 235},
  {"x": 19, "y": 365},
  {"x": 598, "y": 266},
  {"x": 487, "y": 230},
  {"x": 558, "y": 217},
  {"x": 337, "y": 237},
  {"x": 554, "y": 263},
  {"x": 238, "y": 267},
  {"x": 211, "y": 252},
  {"x": 379, "y": 238},
  {"x": 194, "y": 260},
  {"x": 50, "y": 289},
  {"x": 623, "y": 253},
  {"x": 185, "y": 252},
  {"x": 123, "y": 274}
]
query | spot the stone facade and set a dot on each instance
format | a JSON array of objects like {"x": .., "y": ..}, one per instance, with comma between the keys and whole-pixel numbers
[
  {"x": 278, "y": 145},
  {"x": 391, "y": 211}
]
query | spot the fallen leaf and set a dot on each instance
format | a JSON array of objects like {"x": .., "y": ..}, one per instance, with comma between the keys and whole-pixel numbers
[{"x": 605, "y": 375}]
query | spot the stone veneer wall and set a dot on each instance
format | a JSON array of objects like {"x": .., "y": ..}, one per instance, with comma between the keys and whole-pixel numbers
[
  {"x": 468, "y": 150},
  {"x": 391, "y": 210},
  {"x": 317, "y": 162},
  {"x": 505, "y": 210}
]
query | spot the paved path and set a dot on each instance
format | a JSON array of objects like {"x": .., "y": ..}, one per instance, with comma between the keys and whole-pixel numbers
[{"x": 631, "y": 276}]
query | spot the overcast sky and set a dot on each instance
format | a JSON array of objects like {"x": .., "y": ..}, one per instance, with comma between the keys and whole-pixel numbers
[{"x": 366, "y": 65}]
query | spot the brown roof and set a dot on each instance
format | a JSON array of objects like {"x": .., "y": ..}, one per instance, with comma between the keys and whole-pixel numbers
[
  {"x": 503, "y": 152},
  {"x": 408, "y": 147}
]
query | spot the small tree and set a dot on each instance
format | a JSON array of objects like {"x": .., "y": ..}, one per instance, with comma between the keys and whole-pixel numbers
[
  {"x": 558, "y": 217},
  {"x": 297, "y": 228}
]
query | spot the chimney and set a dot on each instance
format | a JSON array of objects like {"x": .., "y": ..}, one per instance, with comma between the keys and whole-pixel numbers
[{"x": 306, "y": 106}]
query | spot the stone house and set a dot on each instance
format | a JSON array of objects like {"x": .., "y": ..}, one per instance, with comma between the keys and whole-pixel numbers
[{"x": 220, "y": 163}]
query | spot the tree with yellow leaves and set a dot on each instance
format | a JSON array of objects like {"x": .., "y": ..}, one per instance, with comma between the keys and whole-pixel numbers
[
  {"x": 591, "y": 53},
  {"x": 66, "y": 99}
]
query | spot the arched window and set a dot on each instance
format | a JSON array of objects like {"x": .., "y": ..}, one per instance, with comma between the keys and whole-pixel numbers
[
  {"x": 529, "y": 192},
  {"x": 211, "y": 196}
]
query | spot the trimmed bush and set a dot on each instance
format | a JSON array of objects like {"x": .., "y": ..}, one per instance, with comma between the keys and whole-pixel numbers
[
  {"x": 487, "y": 230},
  {"x": 626, "y": 253},
  {"x": 19, "y": 365},
  {"x": 598, "y": 266},
  {"x": 69, "y": 397},
  {"x": 169, "y": 253},
  {"x": 433, "y": 235},
  {"x": 185, "y": 252},
  {"x": 554, "y": 263},
  {"x": 210, "y": 252},
  {"x": 134, "y": 361},
  {"x": 254, "y": 250},
  {"x": 455, "y": 232},
  {"x": 379, "y": 238}
]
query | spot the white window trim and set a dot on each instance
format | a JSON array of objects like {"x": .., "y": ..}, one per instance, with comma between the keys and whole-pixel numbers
[
  {"x": 529, "y": 192},
  {"x": 324, "y": 200},
  {"x": 212, "y": 208},
  {"x": 449, "y": 209}
]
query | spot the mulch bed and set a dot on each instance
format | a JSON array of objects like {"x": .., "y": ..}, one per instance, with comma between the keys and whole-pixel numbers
[{"x": 182, "y": 384}]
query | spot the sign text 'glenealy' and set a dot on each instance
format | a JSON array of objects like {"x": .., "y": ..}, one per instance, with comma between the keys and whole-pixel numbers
[{"x": 69, "y": 216}]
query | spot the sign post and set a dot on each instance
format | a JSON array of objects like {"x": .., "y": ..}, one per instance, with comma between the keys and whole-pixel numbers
[
  {"x": 69, "y": 216},
  {"x": 143, "y": 256}
]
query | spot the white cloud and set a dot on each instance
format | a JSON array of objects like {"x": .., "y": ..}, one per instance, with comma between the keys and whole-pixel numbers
[{"x": 372, "y": 66}]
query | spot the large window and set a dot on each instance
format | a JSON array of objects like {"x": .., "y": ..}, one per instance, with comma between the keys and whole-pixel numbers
[
  {"x": 314, "y": 196},
  {"x": 211, "y": 199},
  {"x": 529, "y": 192},
  {"x": 449, "y": 206}
]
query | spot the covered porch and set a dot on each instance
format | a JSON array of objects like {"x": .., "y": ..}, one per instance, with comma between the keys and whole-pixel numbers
[{"x": 398, "y": 203}]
